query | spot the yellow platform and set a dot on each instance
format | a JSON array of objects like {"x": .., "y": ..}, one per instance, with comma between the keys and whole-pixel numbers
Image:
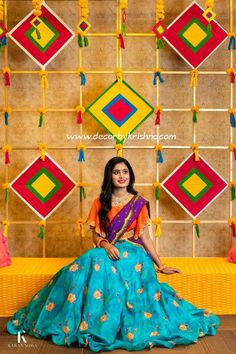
[{"x": 208, "y": 283}]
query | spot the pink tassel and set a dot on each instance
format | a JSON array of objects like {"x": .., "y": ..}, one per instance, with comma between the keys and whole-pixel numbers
[
  {"x": 7, "y": 158},
  {"x": 7, "y": 79},
  {"x": 122, "y": 43},
  {"x": 158, "y": 118},
  {"x": 79, "y": 117}
]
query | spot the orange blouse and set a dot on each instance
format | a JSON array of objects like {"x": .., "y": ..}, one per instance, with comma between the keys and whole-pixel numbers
[{"x": 135, "y": 229}]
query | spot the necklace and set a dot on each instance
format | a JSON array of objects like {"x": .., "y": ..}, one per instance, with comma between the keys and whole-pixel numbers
[{"x": 120, "y": 200}]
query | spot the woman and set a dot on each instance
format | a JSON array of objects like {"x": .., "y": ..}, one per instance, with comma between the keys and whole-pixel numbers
[{"x": 110, "y": 297}]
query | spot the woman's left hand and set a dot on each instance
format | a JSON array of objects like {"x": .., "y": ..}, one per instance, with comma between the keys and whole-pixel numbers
[{"x": 169, "y": 270}]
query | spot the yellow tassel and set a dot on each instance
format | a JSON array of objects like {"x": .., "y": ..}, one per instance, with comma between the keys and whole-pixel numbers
[
  {"x": 119, "y": 74},
  {"x": 84, "y": 11},
  {"x": 37, "y": 7},
  {"x": 6, "y": 148},
  {"x": 196, "y": 222},
  {"x": 42, "y": 223},
  {"x": 80, "y": 227},
  {"x": 6, "y": 224},
  {"x": 44, "y": 79},
  {"x": 194, "y": 78},
  {"x": 158, "y": 147},
  {"x": 194, "y": 147},
  {"x": 1, "y": 10},
  {"x": 123, "y": 4},
  {"x": 43, "y": 148},
  {"x": 209, "y": 3},
  {"x": 157, "y": 222},
  {"x": 160, "y": 12},
  {"x": 119, "y": 148}
]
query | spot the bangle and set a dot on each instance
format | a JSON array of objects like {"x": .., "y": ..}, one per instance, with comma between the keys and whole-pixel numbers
[
  {"x": 100, "y": 241},
  {"x": 163, "y": 266}
]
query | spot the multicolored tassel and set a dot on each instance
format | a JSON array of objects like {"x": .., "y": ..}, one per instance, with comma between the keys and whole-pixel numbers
[
  {"x": 157, "y": 111},
  {"x": 80, "y": 227},
  {"x": 158, "y": 148},
  {"x": 80, "y": 110},
  {"x": 157, "y": 222},
  {"x": 43, "y": 148},
  {"x": 6, "y": 225},
  {"x": 157, "y": 73},
  {"x": 194, "y": 78},
  {"x": 81, "y": 148},
  {"x": 232, "y": 148},
  {"x": 232, "y": 186},
  {"x": 196, "y": 225},
  {"x": 231, "y": 72},
  {"x": 7, "y": 72},
  {"x": 232, "y": 40},
  {"x": 157, "y": 186},
  {"x": 232, "y": 113},
  {"x": 195, "y": 110},
  {"x": 232, "y": 223},
  {"x": 194, "y": 147},
  {"x": 7, "y": 149},
  {"x": 42, "y": 224}
]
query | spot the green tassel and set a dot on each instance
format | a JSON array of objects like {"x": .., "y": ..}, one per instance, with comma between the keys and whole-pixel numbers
[
  {"x": 80, "y": 43},
  {"x": 233, "y": 192},
  {"x": 197, "y": 230},
  {"x": 6, "y": 195},
  {"x": 82, "y": 194},
  {"x": 194, "y": 117},
  {"x": 41, "y": 232},
  {"x": 86, "y": 41},
  {"x": 157, "y": 193},
  {"x": 38, "y": 34},
  {"x": 160, "y": 43},
  {"x": 123, "y": 29},
  {"x": 40, "y": 120}
]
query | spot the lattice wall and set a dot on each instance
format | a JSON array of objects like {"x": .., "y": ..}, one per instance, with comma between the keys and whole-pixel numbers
[{"x": 214, "y": 95}]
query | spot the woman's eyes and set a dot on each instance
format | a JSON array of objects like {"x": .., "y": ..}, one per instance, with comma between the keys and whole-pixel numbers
[{"x": 116, "y": 172}]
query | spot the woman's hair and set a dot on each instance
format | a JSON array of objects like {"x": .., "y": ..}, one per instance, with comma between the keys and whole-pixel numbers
[{"x": 107, "y": 188}]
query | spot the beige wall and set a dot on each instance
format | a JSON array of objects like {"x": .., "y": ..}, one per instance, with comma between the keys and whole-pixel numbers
[{"x": 213, "y": 91}]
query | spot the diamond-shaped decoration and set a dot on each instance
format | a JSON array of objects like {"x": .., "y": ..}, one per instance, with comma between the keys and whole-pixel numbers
[
  {"x": 43, "y": 186},
  {"x": 194, "y": 185},
  {"x": 120, "y": 110},
  {"x": 209, "y": 14},
  {"x": 43, "y": 37},
  {"x": 191, "y": 36},
  {"x": 83, "y": 26},
  {"x": 159, "y": 29}
]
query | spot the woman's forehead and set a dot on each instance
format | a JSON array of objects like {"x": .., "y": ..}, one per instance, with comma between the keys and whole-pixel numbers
[{"x": 120, "y": 166}]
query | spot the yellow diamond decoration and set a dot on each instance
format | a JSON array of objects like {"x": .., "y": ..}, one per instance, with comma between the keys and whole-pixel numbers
[
  {"x": 46, "y": 34},
  {"x": 194, "y": 34},
  {"x": 160, "y": 29},
  {"x": 194, "y": 185},
  {"x": 43, "y": 185}
]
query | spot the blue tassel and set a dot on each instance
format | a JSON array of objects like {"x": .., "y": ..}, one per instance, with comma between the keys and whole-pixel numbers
[
  {"x": 232, "y": 43},
  {"x": 232, "y": 120},
  {"x": 159, "y": 157},
  {"x": 158, "y": 74},
  {"x": 6, "y": 115},
  {"x": 81, "y": 155},
  {"x": 83, "y": 79},
  {"x": 3, "y": 41}
]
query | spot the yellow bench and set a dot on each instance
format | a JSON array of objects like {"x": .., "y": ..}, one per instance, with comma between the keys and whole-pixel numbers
[{"x": 208, "y": 283}]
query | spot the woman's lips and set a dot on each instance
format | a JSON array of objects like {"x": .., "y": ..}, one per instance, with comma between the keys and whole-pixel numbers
[{"x": 122, "y": 181}]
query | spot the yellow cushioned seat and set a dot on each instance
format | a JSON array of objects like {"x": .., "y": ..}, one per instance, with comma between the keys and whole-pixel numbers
[{"x": 208, "y": 283}]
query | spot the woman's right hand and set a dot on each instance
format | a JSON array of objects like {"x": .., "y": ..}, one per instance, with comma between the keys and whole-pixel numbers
[{"x": 112, "y": 251}]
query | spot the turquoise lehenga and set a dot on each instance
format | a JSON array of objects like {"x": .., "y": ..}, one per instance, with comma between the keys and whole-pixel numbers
[{"x": 106, "y": 304}]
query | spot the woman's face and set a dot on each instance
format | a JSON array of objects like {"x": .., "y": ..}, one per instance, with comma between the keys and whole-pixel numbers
[{"x": 120, "y": 175}]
